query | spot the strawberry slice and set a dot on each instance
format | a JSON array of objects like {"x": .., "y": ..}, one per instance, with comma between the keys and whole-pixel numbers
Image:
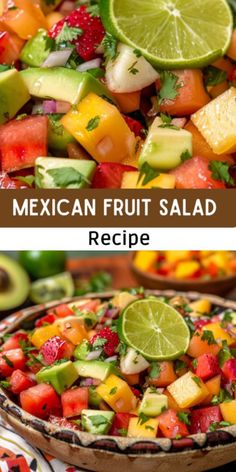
[
  {"x": 109, "y": 341},
  {"x": 92, "y": 31},
  {"x": 54, "y": 349},
  {"x": 109, "y": 175}
]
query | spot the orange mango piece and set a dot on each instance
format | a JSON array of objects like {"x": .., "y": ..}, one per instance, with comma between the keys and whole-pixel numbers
[
  {"x": 167, "y": 375},
  {"x": 202, "y": 148},
  {"x": 131, "y": 379},
  {"x": 53, "y": 18},
  {"x": 197, "y": 346},
  {"x": 41, "y": 335},
  {"x": 219, "y": 333},
  {"x": 25, "y": 20},
  {"x": 228, "y": 411},
  {"x": 73, "y": 330},
  {"x": 128, "y": 102},
  {"x": 213, "y": 386}
]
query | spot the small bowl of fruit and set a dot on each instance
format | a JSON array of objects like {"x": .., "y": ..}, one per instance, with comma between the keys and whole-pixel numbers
[
  {"x": 139, "y": 378},
  {"x": 204, "y": 271}
]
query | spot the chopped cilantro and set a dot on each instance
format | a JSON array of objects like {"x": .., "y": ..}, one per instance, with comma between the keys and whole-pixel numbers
[
  {"x": 110, "y": 47},
  {"x": 197, "y": 380},
  {"x": 7, "y": 360},
  {"x": 215, "y": 425},
  {"x": 28, "y": 179},
  {"x": 142, "y": 418},
  {"x": 65, "y": 176},
  {"x": 4, "y": 384},
  {"x": 224, "y": 354},
  {"x": 137, "y": 52},
  {"x": 99, "y": 342},
  {"x": 132, "y": 69},
  {"x": 185, "y": 156},
  {"x": 214, "y": 76},
  {"x": 184, "y": 417},
  {"x": 148, "y": 173},
  {"x": 223, "y": 397},
  {"x": 68, "y": 34},
  {"x": 113, "y": 391},
  {"x": 179, "y": 365},
  {"x": 123, "y": 432},
  {"x": 98, "y": 420},
  {"x": 155, "y": 370},
  {"x": 169, "y": 86},
  {"x": 220, "y": 171},
  {"x": 93, "y": 123},
  {"x": 208, "y": 336}
]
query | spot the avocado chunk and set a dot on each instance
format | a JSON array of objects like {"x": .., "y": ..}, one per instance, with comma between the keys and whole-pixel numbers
[
  {"x": 61, "y": 376},
  {"x": 153, "y": 403},
  {"x": 14, "y": 284},
  {"x": 94, "y": 397},
  {"x": 82, "y": 350},
  {"x": 52, "y": 288},
  {"x": 94, "y": 369},
  {"x": 58, "y": 136},
  {"x": 13, "y": 94},
  {"x": 60, "y": 83},
  {"x": 36, "y": 50},
  {"x": 51, "y": 172},
  {"x": 165, "y": 146},
  {"x": 97, "y": 421}
]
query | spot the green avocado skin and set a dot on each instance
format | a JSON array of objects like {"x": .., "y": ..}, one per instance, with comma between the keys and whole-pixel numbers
[
  {"x": 60, "y": 376},
  {"x": 36, "y": 50}
]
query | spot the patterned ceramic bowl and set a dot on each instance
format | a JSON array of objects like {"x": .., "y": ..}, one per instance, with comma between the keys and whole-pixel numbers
[{"x": 105, "y": 453}]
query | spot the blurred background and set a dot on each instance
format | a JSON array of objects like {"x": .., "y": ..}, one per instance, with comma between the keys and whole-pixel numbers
[{"x": 33, "y": 277}]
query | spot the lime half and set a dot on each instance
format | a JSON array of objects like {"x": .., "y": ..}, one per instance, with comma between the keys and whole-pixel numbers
[
  {"x": 154, "y": 329},
  {"x": 171, "y": 33}
]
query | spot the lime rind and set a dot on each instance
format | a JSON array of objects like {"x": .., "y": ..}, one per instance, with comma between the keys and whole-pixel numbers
[
  {"x": 154, "y": 329},
  {"x": 164, "y": 36}
]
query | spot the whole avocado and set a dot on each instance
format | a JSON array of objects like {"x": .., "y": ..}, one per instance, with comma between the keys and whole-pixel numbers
[{"x": 40, "y": 264}]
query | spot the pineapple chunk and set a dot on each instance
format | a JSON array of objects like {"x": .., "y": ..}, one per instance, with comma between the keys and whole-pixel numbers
[
  {"x": 123, "y": 299},
  {"x": 200, "y": 307},
  {"x": 100, "y": 128},
  {"x": 176, "y": 256},
  {"x": 133, "y": 362},
  {"x": 188, "y": 390},
  {"x": 145, "y": 430},
  {"x": 117, "y": 394},
  {"x": 143, "y": 260},
  {"x": 186, "y": 269},
  {"x": 41, "y": 335},
  {"x": 131, "y": 180},
  {"x": 228, "y": 411},
  {"x": 216, "y": 122},
  {"x": 219, "y": 333}
]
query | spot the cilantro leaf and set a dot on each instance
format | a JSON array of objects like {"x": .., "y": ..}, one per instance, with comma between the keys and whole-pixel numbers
[
  {"x": 169, "y": 86},
  {"x": 185, "y": 156},
  {"x": 68, "y": 34},
  {"x": 148, "y": 173},
  {"x": 28, "y": 179},
  {"x": 224, "y": 396},
  {"x": 184, "y": 417},
  {"x": 93, "y": 123},
  {"x": 65, "y": 176},
  {"x": 214, "y": 76},
  {"x": 8, "y": 361},
  {"x": 155, "y": 370},
  {"x": 197, "y": 380},
  {"x": 110, "y": 47},
  {"x": 99, "y": 342},
  {"x": 220, "y": 171},
  {"x": 98, "y": 420},
  {"x": 123, "y": 432},
  {"x": 143, "y": 418},
  {"x": 208, "y": 336},
  {"x": 93, "y": 10},
  {"x": 224, "y": 354}
]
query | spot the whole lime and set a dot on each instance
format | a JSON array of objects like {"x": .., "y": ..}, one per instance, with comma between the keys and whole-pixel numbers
[{"x": 40, "y": 264}]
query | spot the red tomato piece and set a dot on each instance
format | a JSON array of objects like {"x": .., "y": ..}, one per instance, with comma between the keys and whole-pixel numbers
[
  {"x": 22, "y": 141},
  {"x": 40, "y": 400},
  {"x": 202, "y": 418},
  {"x": 109, "y": 175},
  {"x": 170, "y": 425},
  {"x": 10, "y": 361},
  {"x": 191, "y": 93},
  {"x": 14, "y": 341},
  {"x": 121, "y": 422},
  {"x": 207, "y": 366},
  {"x": 10, "y": 47},
  {"x": 194, "y": 174},
  {"x": 47, "y": 319},
  {"x": 74, "y": 401},
  {"x": 20, "y": 381}
]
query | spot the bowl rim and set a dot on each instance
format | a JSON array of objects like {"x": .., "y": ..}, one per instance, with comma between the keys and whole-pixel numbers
[
  {"x": 172, "y": 281},
  {"x": 121, "y": 445}
]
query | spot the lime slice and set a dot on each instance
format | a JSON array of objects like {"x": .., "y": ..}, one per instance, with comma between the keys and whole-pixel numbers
[
  {"x": 52, "y": 288},
  {"x": 154, "y": 329},
  {"x": 171, "y": 33}
]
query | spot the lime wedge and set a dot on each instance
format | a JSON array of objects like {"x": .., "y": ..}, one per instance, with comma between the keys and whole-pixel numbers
[
  {"x": 171, "y": 33},
  {"x": 154, "y": 329}
]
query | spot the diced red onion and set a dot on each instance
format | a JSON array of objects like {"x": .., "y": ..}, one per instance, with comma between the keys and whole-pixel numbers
[
  {"x": 89, "y": 382},
  {"x": 49, "y": 106},
  {"x": 89, "y": 65},
  {"x": 111, "y": 359},
  {"x": 112, "y": 313},
  {"x": 57, "y": 58},
  {"x": 93, "y": 355},
  {"x": 179, "y": 122}
]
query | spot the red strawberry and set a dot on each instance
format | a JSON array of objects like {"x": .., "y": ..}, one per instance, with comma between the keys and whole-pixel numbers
[
  {"x": 47, "y": 319},
  {"x": 109, "y": 175},
  {"x": 54, "y": 349},
  {"x": 93, "y": 31},
  {"x": 135, "y": 126},
  {"x": 200, "y": 323},
  {"x": 229, "y": 369},
  {"x": 112, "y": 340},
  {"x": 207, "y": 366}
]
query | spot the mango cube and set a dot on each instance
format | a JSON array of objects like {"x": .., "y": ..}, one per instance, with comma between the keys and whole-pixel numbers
[
  {"x": 176, "y": 256},
  {"x": 73, "y": 330},
  {"x": 200, "y": 307},
  {"x": 117, "y": 394},
  {"x": 143, "y": 260},
  {"x": 131, "y": 180},
  {"x": 219, "y": 333},
  {"x": 186, "y": 269},
  {"x": 228, "y": 411},
  {"x": 146, "y": 430},
  {"x": 188, "y": 390},
  {"x": 216, "y": 122},
  {"x": 100, "y": 128},
  {"x": 41, "y": 335}
]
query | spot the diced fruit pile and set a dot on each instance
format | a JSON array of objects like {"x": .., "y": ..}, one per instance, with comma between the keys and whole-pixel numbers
[
  {"x": 70, "y": 89},
  {"x": 187, "y": 265},
  {"x": 87, "y": 365}
]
